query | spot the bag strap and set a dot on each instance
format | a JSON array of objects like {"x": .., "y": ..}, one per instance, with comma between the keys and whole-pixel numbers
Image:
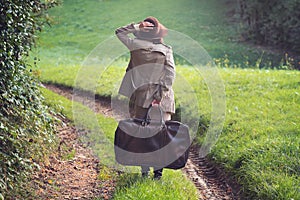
[
  {"x": 145, "y": 121},
  {"x": 148, "y": 119}
]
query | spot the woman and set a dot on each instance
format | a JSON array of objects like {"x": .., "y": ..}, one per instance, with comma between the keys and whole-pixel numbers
[{"x": 150, "y": 72}]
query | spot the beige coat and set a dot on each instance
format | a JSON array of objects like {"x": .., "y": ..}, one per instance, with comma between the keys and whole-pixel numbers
[{"x": 150, "y": 73}]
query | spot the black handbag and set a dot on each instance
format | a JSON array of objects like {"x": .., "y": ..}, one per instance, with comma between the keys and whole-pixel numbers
[{"x": 155, "y": 143}]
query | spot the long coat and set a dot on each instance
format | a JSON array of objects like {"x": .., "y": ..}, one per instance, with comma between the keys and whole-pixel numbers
[{"x": 150, "y": 73}]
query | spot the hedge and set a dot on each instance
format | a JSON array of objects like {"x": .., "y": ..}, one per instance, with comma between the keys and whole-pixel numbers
[{"x": 26, "y": 127}]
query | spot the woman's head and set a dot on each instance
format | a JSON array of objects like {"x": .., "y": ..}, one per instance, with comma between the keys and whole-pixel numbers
[{"x": 157, "y": 32}]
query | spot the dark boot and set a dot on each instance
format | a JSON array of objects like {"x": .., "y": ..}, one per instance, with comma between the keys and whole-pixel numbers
[
  {"x": 158, "y": 174},
  {"x": 145, "y": 171}
]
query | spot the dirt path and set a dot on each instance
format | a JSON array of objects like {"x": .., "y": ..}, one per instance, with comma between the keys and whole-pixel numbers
[
  {"x": 72, "y": 171},
  {"x": 211, "y": 183}
]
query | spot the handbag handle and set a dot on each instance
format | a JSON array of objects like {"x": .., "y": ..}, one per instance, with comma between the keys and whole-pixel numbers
[{"x": 148, "y": 119}]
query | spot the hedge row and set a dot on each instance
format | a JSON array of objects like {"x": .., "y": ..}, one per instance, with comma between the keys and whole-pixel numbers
[{"x": 26, "y": 129}]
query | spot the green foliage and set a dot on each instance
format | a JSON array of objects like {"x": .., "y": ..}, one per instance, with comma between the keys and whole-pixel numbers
[
  {"x": 25, "y": 124},
  {"x": 273, "y": 23}
]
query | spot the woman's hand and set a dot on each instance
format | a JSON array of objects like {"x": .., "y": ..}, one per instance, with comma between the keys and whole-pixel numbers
[
  {"x": 155, "y": 102},
  {"x": 146, "y": 26}
]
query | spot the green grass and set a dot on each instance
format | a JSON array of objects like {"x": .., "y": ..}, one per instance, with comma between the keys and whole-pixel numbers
[
  {"x": 260, "y": 141},
  {"x": 173, "y": 185},
  {"x": 78, "y": 26}
]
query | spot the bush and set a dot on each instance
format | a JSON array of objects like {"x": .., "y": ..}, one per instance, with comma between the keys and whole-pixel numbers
[
  {"x": 272, "y": 22},
  {"x": 26, "y": 128},
  {"x": 275, "y": 23}
]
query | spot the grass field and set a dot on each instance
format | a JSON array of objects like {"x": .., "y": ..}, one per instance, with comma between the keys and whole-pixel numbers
[
  {"x": 79, "y": 26},
  {"x": 259, "y": 145}
]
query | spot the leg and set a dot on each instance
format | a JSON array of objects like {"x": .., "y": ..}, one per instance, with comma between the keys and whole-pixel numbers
[
  {"x": 145, "y": 171},
  {"x": 167, "y": 116},
  {"x": 158, "y": 173},
  {"x": 140, "y": 112}
]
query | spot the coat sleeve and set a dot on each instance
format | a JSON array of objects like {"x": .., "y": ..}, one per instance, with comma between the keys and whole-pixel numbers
[
  {"x": 170, "y": 70},
  {"x": 168, "y": 80},
  {"x": 122, "y": 34}
]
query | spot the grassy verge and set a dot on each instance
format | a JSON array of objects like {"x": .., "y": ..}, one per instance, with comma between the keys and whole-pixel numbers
[
  {"x": 260, "y": 141},
  {"x": 173, "y": 185}
]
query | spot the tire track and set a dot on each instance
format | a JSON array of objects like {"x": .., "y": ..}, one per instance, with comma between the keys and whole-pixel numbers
[{"x": 211, "y": 182}]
